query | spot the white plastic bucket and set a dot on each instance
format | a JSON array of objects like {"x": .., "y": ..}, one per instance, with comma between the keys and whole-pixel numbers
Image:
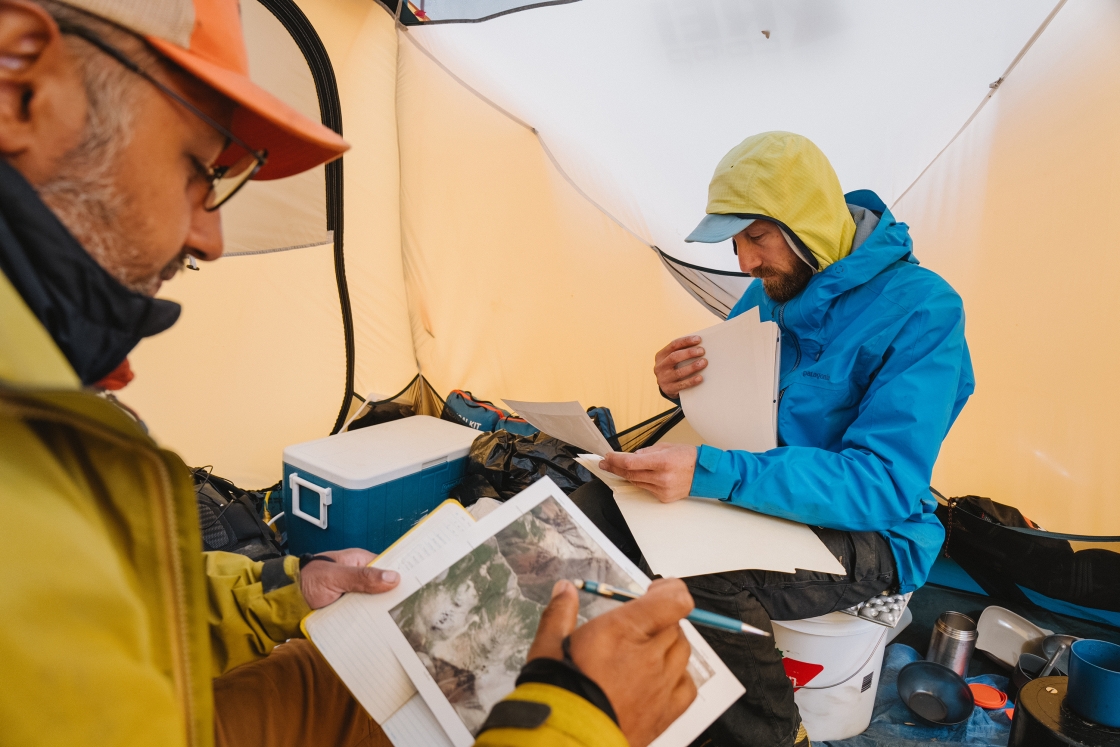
[{"x": 833, "y": 662}]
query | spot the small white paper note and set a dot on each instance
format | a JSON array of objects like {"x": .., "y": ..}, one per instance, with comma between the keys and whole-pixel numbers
[
  {"x": 698, "y": 536},
  {"x": 736, "y": 405},
  {"x": 567, "y": 421}
]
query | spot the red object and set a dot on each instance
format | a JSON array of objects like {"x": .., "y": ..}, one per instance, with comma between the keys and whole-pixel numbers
[
  {"x": 987, "y": 696},
  {"x": 118, "y": 379},
  {"x": 801, "y": 673},
  {"x": 1010, "y": 713},
  {"x": 216, "y": 55}
]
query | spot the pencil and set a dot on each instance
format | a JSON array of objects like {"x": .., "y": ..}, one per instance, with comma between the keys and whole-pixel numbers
[{"x": 699, "y": 617}]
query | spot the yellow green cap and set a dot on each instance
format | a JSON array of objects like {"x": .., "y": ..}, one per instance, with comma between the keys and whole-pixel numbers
[{"x": 785, "y": 177}]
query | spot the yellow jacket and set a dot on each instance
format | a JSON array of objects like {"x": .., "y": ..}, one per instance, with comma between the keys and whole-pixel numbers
[{"x": 114, "y": 622}]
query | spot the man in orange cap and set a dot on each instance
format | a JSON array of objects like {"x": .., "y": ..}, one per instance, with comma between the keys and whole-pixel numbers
[{"x": 124, "y": 126}]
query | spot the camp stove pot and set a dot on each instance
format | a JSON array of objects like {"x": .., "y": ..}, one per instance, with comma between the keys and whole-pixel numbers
[{"x": 952, "y": 642}]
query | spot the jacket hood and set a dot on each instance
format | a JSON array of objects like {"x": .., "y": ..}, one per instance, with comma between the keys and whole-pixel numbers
[
  {"x": 786, "y": 177},
  {"x": 888, "y": 242},
  {"x": 93, "y": 320}
]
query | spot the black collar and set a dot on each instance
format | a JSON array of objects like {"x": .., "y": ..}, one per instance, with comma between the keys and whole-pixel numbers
[{"x": 94, "y": 320}]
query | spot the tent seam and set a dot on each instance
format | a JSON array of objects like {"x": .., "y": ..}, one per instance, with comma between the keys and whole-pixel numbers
[
  {"x": 540, "y": 138},
  {"x": 992, "y": 88},
  {"x": 463, "y": 83},
  {"x": 253, "y": 252},
  {"x": 400, "y": 195},
  {"x": 584, "y": 195}
]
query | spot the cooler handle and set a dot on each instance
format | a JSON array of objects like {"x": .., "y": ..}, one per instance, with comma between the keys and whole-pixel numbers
[{"x": 295, "y": 481}]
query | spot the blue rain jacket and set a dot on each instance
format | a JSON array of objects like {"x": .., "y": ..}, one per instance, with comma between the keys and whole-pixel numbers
[{"x": 874, "y": 371}]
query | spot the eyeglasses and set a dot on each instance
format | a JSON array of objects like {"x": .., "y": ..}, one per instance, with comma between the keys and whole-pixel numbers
[{"x": 224, "y": 180}]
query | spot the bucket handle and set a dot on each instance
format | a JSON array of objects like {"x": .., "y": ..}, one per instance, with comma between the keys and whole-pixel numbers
[{"x": 859, "y": 669}]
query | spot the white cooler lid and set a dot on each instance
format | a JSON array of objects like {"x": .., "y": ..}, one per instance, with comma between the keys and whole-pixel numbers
[{"x": 370, "y": 456}]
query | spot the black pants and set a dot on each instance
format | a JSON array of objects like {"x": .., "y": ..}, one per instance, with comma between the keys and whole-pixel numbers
[{"x": 765, "y": 716}]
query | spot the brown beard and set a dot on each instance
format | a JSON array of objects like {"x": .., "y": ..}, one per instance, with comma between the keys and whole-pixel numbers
[{"x": 782, "y": 286}]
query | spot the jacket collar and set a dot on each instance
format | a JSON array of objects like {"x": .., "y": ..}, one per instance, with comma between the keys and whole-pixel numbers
[
  {"x": 93, "y": 320},
  {"x": 889, "y": 243}
]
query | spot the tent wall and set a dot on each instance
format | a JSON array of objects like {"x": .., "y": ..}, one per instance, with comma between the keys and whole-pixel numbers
[
  {"x": 362, "y": 42},
  {"x": 472, "y": 258},
  {"x": 518, "y": 286},
  {"x": 639, "y": 99},
  {"x": 1018, "y": 215}
]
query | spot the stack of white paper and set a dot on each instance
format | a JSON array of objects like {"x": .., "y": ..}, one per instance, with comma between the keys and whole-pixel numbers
[
  {"x": 736, "y": 406},
  {"x": 698, "y": 536}
]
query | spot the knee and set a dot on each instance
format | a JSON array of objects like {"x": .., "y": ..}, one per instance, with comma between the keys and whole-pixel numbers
[{"x": 590, "y": 497}]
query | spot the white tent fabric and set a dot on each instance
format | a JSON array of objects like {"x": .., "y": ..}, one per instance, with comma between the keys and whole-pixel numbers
[
  {"x": 508, "y": 180},
  {"x": 639, "y": 99}
]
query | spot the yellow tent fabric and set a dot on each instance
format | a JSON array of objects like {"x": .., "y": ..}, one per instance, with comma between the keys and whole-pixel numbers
[{"x": 1015, "y": 215}]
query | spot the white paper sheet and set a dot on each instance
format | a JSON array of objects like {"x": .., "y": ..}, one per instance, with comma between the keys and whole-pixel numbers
[
  {"x": 696, "y": 536},
  {"x": 735, "y": 406},
  {"x": 364, "y": 661},
  {"x": 409, "y": 724},
  {"x": 567, "y": 421}
]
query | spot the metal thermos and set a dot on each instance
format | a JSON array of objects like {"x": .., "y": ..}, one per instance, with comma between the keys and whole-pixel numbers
[{"x": 953, "y": 641}]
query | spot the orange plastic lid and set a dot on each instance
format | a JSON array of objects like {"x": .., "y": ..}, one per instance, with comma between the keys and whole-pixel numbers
[{"x": 987, "y": 696}]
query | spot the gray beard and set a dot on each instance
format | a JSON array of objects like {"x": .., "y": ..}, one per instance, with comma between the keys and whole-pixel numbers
[
  {"x": 86, "y": 198},
  {"x": 85, "y": 194}
]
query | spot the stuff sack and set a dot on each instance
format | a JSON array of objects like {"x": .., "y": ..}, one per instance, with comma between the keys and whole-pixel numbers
[
  {"x": 465, "y": 409},
  {"x": 230, "y": 518},
  {"x": 1006, "y": 553},
  {"x": 502, "y": 464}
]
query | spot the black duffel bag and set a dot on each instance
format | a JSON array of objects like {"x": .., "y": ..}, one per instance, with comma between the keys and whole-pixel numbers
[{"x": 1005, "y": 552}]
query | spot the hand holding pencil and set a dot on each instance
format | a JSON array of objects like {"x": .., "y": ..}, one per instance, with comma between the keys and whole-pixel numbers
[
  {"x": 696, "y": 617},
  {"x": 637, "y": 654}
]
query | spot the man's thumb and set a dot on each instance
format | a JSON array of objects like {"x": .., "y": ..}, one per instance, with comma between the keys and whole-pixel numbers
[{"x": 557, "y": 622}]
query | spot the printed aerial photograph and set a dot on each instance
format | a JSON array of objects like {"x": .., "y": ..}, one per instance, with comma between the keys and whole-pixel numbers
[{"x": 472, "y": 625}]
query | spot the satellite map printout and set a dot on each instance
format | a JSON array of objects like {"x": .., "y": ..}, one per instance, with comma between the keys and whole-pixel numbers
[{"x": 472, "y": 625}]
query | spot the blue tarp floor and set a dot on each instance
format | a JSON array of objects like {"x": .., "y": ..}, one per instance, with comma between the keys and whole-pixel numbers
[
  {"x": 894, "y": 725},
  {"x": 891, "y": 723}
]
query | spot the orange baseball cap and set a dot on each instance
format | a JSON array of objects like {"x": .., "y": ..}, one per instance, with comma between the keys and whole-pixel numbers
[{"x": 204, "y": 38}]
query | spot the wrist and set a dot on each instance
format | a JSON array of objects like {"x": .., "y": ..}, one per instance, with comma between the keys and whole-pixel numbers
[
  {"x": 308, "y": 557},
  {"x": 676, "y": 399},
  {"x": 567, "y": 676}
]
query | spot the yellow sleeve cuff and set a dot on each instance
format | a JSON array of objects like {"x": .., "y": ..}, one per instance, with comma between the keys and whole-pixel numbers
[{"x": 574, "y": 722}]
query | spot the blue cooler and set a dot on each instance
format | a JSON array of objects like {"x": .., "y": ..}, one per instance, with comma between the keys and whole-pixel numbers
[{"x": 366, "y": 488}]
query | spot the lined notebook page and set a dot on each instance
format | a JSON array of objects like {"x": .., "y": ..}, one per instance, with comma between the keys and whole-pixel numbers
[
  {"x": 414, "y": 725},
  {"x": 347, "y": 635}
]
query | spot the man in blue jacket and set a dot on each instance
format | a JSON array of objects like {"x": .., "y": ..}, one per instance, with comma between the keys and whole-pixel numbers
[{"x": 874, "y": 371}]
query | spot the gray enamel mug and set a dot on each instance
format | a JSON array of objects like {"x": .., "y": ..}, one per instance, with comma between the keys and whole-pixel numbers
[{"x": 952, "y": 642}]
